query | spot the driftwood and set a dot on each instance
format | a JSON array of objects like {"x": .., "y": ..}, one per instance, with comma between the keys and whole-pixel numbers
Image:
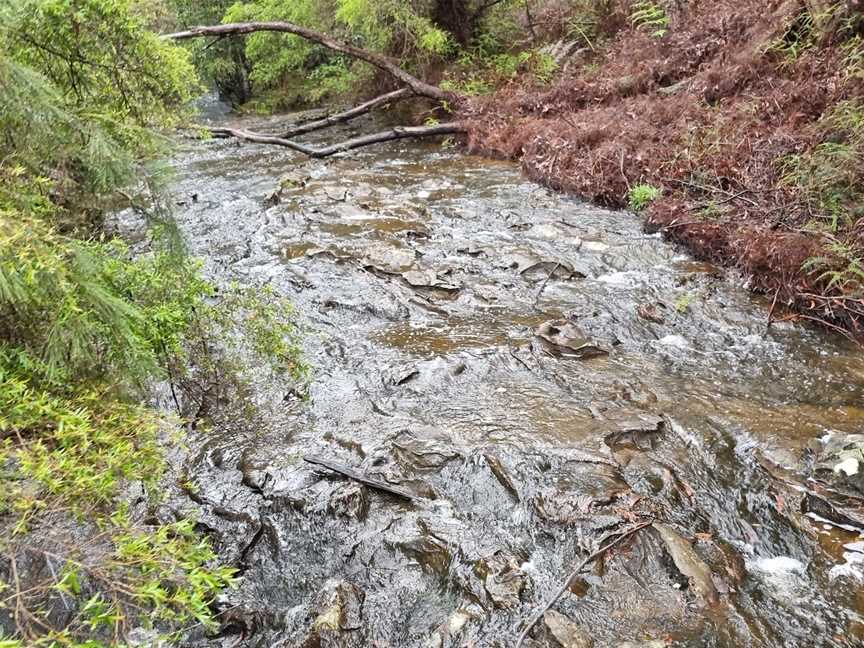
[
  {"x": 569, "y": 580},
  {"x": 341, "y": 118},
  {"x": 378, "y": 60},
  {"x": 395, "y": 133},
  {"x": 371, "y": 482}
]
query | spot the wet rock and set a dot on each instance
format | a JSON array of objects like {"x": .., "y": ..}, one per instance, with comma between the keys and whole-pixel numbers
[
  {"x": 145, "y": 638},
  {"x": 287, "y": 183},
  {"x": 429, "y": 279},
  {"x": 565, "y": 632},
  {"x": 840, "y": 462},
  {"x": 417, "y": 453},
  {"x": 389, "y": 310},
  {"x": 429, "y": 373},
  {"x": 430, "y": 554},
  {"x": 543, "y": 270},
  {"x": 350, "y": 500},
  {"x": 503, "y": 579},
  {"x": 458, "y": 620},
  {"x": 389, "y": 260},
  {"x": 576, "y": 493},
  {"x": 641, "y": 432},
  {"x": 471, "y": 250},
  {"x": 339, "y": 607},
  {"x": 824, "y": 505},
  {"x": 562, "y": 338},
  {"x": 688, "y": 562},
  {"x": 728, "y": 568}
]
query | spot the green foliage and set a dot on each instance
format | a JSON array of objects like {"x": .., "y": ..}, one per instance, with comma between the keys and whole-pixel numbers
[
  {"x": 853, "y": 50},
  {"x": 83, "y": 89},
  {"x": 588, "y": 21},
  {"x": 479, "y": 74},
  {"x": 830, "y": 174},
  {"x": 842, "y": 269},
  {"x": 642, "y": 195},
  {"x": 168, "y": 570},
  {"x": 100, "y": 55},
  {"x": 86, "y": 326},
  {"x": 650, "y": 17},
  {"x": 79, "y": 309},
  {"x": 221, "y": 63},
  {"x": 310, "y": 72},
  {"x": 77, "y": 450},
  {"x": 381, "y": 24},
  {"x": 682, "y": 304},
  {"x": 103, "y": 54},
  {"x": 266, "y": 324},
  {"x": 800, "y": 36}
]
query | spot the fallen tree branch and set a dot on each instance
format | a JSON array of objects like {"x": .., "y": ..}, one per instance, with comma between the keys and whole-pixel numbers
[
  {"x": 378, "y": 60},
  {"x": 395, "y": 133},
  {"x": 345, "y": 471},
  {"x": 568, "y": 581},
  {"x": 340, "y": 118}
]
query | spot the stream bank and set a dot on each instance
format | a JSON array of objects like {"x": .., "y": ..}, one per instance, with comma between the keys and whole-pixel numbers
[
  {"x": 744, "y": 117},
  {"x": 537, "y": 373}
]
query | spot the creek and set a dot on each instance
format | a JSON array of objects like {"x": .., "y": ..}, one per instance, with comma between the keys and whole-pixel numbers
[{"x": 538, "y": 373}]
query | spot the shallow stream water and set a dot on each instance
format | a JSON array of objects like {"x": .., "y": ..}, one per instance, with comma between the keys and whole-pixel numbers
[{"x": 420, "y": 278}]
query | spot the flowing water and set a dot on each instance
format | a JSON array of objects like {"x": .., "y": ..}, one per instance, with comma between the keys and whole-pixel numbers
[{"x": 420, "y": 277}]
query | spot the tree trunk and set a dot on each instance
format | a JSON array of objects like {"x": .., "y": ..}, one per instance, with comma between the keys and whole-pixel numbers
[
  {"x": 378, "y": 60},
  {"x": 347, "y": 115},
  {"x": 455, "y": 17},
  {"x": 395, "y": 133}
]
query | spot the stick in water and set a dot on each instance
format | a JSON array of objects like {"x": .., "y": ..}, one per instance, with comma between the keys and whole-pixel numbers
[
  {"x": 347, "y": 471},
  {"x": 567, "y": 582}
]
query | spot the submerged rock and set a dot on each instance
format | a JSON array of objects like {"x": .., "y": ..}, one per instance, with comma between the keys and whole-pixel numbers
[
  {"x": 350, "y": 500},
  {"x": 562, "y": 338},
  {"x": 339, "y": 607},
  {"x": 503, "y": 579},
  {"x": 689, "y": 563},
  {"x": 565, "y": 632},
  {"x": 387, "y": 259},
  {"x": 640, "y": 432},
  {"x": 429, "y": 279}
]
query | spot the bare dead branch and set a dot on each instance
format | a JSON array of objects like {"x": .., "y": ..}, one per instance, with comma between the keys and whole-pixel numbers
[
  {"x": 569, "y": 580},
  {"x": 395, "y": 133},
  {"x": 378, "y": 60},
  {"x": 348, "y": 115}
]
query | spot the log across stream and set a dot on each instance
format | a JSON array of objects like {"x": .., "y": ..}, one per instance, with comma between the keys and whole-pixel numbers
[{"x": 651, "y": 394}]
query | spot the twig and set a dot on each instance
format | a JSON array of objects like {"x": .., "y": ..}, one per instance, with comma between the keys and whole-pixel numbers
[
  {"x": 545, "y": 281},
  {"x": 771, "y": 311},
  {"x": 736, "y": 196},
  {"x": 682, "y": 224},
  {"x": 693, "y": 185},
  {"x": 543, "y": 610},
  {"x": 213, "y": 42},
  {"x": 842, "y": 331},
  {"x": 520, "y": 361}
]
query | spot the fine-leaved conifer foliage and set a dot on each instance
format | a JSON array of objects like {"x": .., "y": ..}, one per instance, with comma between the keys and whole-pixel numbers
[{"x": 86, "y": 327}]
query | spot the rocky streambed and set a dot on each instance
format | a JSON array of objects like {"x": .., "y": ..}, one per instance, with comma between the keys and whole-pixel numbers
[{"x": 516, "y": 377}]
